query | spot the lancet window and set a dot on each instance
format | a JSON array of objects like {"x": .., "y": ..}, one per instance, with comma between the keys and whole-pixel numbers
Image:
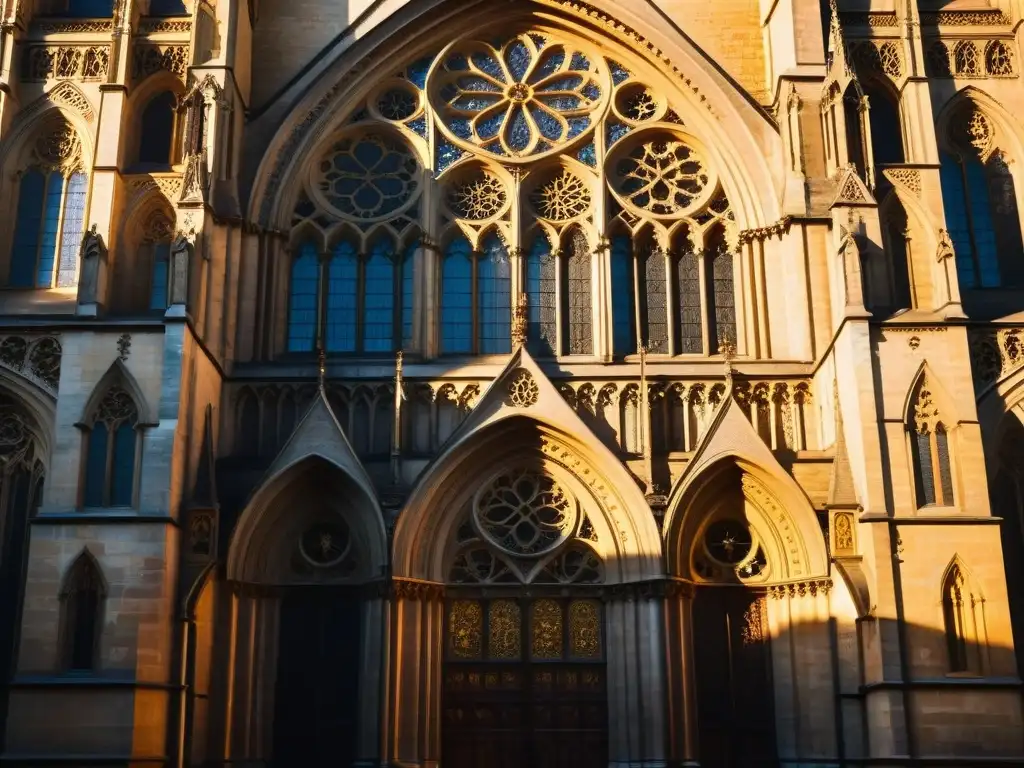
[
  {"x": 963, "y": 616},
  {"x": 505, "y": 152},
  {"x": 50, "y": 214},
  {"x": 82, "y": 600},
  {"x": 930, "y": 450},
  {"x": 111, "y": 448},
  {"x": 980, "y": 202}
]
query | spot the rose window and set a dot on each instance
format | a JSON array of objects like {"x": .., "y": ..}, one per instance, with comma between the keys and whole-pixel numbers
[
  {"x": 663, "y": 176},
  {"x": 525, "y": 513},
  {"x": 519, "y": 99},
  {"x": 562, "y": 198},
  {"x": 477, "y": 197},
  {"x": 368, "y": 177}
]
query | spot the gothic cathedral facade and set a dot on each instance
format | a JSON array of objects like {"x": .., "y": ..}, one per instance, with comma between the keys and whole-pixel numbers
[{"x": 475, "y": 383}]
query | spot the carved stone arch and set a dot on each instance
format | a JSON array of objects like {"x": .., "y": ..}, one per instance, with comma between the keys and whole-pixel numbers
[
  {"x": 25, "y": 429},
  {"x": 716, "y": 107},
  {"x": 956, "y": 566},
  {"x": 119, "y": 376},
  {"x": 925, "y": 380},
  {"x": 65, "y": 101},
  {"x": 1007, "y": 132},
  {"x": 139, "y": 98},
  {"x": 84, "y": 559}
]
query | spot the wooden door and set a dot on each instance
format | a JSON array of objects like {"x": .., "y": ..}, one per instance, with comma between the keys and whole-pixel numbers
[
  {"x": 735, "y": 699},
  {"x": 317, "y": 696}
]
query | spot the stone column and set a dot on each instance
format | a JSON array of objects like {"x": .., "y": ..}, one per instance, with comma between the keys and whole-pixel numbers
[
  {"x": 414, "y": 690},
  {"x": 680, "y": 682},
  {"x": 636, "y": 677}
]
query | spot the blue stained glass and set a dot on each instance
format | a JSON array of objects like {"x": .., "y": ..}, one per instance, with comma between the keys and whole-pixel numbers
[
  {"x": 95, "y": 466},
  {"x": 592, "y": 92},
  {"x": 477, "y": 83},
  {"x": 577, "y": 125},
  {"x": 496, "y": 148},
  {"x": 567, "y": 83},
  {"x": 26, "y": 233},
  {"x": 417, "y": 72},
  {"x": 489, "y": 127},
  {"x": 450, "y": 92},
  {"x": 539, "y": 40},
  {"x": 408, "y": 284},
  {"x": 156, "y": 129},
  {"x": 158, "y": 284},
  {"x": 546, "y": 124},
  {"x": 474, "y": 103},
  {"x": 447, "y": 153},
  {"x": 456, "y": 63},
  {"x": 561, "y": 103},
  {"x": 615, "y": 131},
  {"x": 579, "y": 62},
  {"x": 588, "y": 155},
  {"x": 954, "y": 199},
  {"x": 342, "y": 298},
  {"x": 494, "y": 298},
  {"x": 90, "y": 9},
  {"x": 550, "y": 63},
  {"x": 122, "y": 470},
  {"x": 518, "y": 137},
  {"x": 303, "y": 298},
  {"x": 517, "y": 56},
  {"x": 418, "y": 126},
  {"x": 49, "y": 235},
  {"x": 488, "y": 65},
  {"x": 541, "y": 298},
  {"x": 542, "y": 146},
  {"x": 619, "y": 73},
  {"x": 984, "y": 230},
  {"x": 623, "y": 311},
  {"x": 457, "y": 298},
  {"x": 460, "y": 127},
  {"x": 71, "y": 237},
  {"x": 379, "y": 300}
]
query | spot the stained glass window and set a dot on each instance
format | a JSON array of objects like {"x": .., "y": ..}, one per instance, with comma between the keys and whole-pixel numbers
[
  {"x": 654, "y": 300},
  {"x": 541, "y": 298},
  {"x": 691, "y": 315},
  {"x": 110, "y": 452},
  {"x": 457, "y": 298},
  {"x": 302, "y": 320},
  {"x": 157, "y": 129},
  {"x": 50, "y": 229},
  {"x": 159, "y": 281},
  {"x": 942, "y": 458},
  {"x": 342, "y": 298},
  {"x": 408, "y": 284},
  {"x": 379, "y": 300},
  {"x": 465, "y": 629},
  {"x": 580, "y": 317},
  {"x": 585, "y": 629},
  {"x": 722, "y": 297},
  {"x": 923, "y": 468},
  {"x": 546, "y": 630},
  {"x": 96, "y": 466},
  {"x": 504, "y": 633},
  {"x": 122, "y": 467},
  {"x": 71, "y": 231},
  {"x": 28, "y": 227},
  {"x": 623, "y": 308},
  {"x": 494, "y": 297}
]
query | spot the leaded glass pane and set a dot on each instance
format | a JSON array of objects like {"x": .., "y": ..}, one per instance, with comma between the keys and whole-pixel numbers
[
  {"x": 122, "y": 470},
  {"x": 691, "y": 314},
  {"x": 27, "y": 229},
  {"x": 623, "y": 296},
  {"x": 379, "y": 298},
  {"x": 50, "y": 230},
  {"x": 924, "y": 474},
  {"x": 504, "y": 634},
  {"x": 466, "y": 629},
  {"x": 95, "y": 466},
  {"x": 408, "y": 278},
  {"x": 158, "y": 285},
  {"x": 654, "y": 301},
  {"x": 585, "y": 629},
  {"x": 722, "y": 312},
  {"x": 457, "y": 297},
  {"x": 494, "y": 297},
  {"x": 342, "y": 298},
  {"x": 954, "y": 200},
  {"x": 581, "y": 337},
  {"x": 981, "y": 218},
  {"x": 303, "y": 299},
  {"x": 1006, "y": 220},
  {"x": 71, "y": 234},
  {"x": 541, "y": 297},
  {"x": 546, "y": 630},
  {"x": 945, "y": 474}
]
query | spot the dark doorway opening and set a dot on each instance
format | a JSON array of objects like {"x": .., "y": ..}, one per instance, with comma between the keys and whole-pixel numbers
[
  {"x": 735, "y": 702},
  {"x": 317, "y": 698}
]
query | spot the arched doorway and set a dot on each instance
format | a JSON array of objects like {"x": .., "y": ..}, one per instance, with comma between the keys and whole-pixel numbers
[{"x": 525, "y": 678}]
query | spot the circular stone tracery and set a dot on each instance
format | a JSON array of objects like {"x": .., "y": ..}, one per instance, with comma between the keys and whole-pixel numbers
[
  {"x": 563, "y": 197},
  {"x": 525, "y": 513},
  {"x": 661, "y": 175},
  {"x": 325, "y": 544},
  {"x": 518, "y": 98},
  {"x": 477, "y": 197},
  {"x": 367, "y": 177}
]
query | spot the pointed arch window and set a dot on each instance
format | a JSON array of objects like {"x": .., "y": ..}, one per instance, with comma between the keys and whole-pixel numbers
[
  {"x": 886, "y": 129},
  {"x": 157, "y": 129},
  {"x": 963, "y": 617},
  {"x": 722, "y": 296},
  {"x": 623, "y": 297},
  {"x": 476, "y": 298},
  {"x": 82, "y": 598},
  {"x": 342, "y": 298},
  {"x": 930, "y": 451},
  {"x": 980, "y": 203},
  {"x": 111, "y": 452},
  {"x": 579, "y": 335},
  {"x": 304, "y": 290},
  {"x": 50, "y": 214},
  {"x": 542, "y": 298}
]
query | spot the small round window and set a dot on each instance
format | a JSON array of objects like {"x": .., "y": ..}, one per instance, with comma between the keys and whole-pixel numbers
[
  {"x": 325, "y": 544},
  {"x": 729, "y": 542}
]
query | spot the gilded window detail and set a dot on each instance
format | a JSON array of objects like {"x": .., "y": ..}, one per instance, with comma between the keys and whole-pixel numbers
[
  {"x": 505, "y": 632},
  {"x": 585, "y": 629},
  {"x": 465, "y": 629},
  {"x": 546, "y": 630},
  {"x": 525, "y": 513}
]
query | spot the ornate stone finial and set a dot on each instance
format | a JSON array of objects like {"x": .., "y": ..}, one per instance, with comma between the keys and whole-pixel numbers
[
  {"x": 124, "y": 345},
  {"x": 727, "y": 349},
  {"x": 398, "y": 365},
  {"x": 520, "y": 321},
  {"x": 322, "y": 361}
]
